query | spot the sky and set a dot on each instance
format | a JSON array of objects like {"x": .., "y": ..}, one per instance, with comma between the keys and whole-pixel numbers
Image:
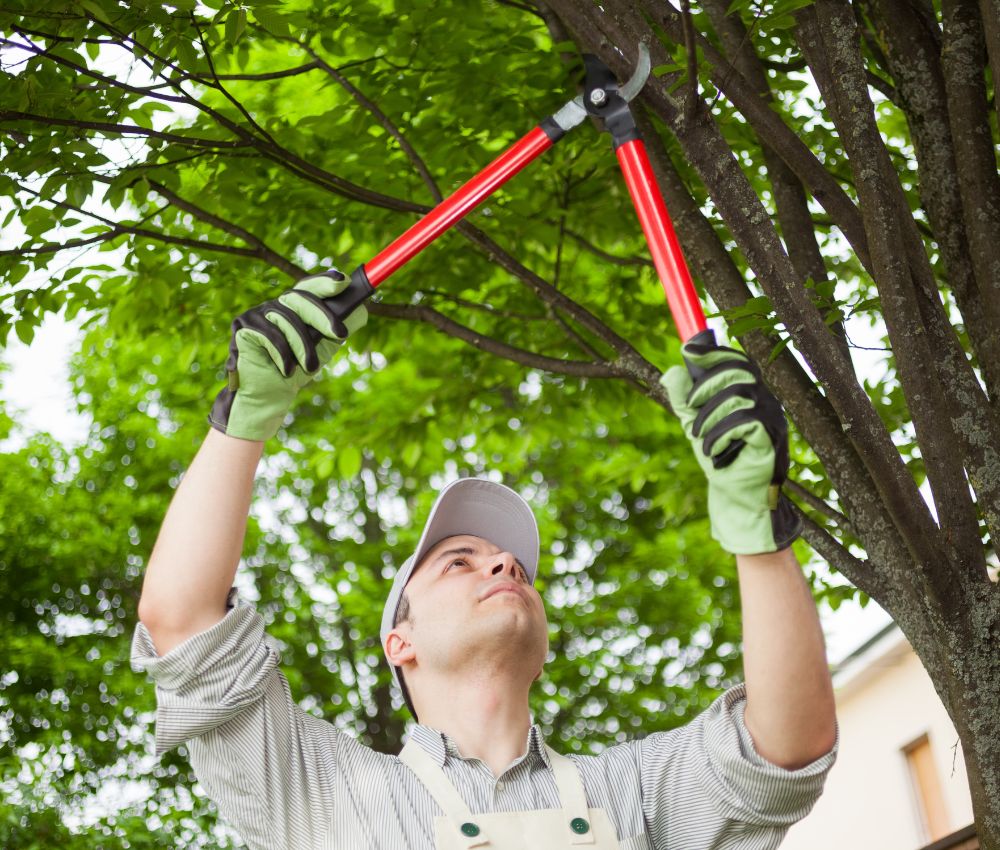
[{"x": 38, "y": 395}]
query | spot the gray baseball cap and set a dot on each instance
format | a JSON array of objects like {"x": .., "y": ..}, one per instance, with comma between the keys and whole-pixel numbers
[{"x": 467, "y": 506}]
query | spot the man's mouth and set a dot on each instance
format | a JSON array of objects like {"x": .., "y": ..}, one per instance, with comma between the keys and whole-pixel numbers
[{"x": 504, "y": 587}]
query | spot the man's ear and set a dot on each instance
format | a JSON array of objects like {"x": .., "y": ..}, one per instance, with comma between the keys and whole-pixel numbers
[{"x": 398, "y": 648}]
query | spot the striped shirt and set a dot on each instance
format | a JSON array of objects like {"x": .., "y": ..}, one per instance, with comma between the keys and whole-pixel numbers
[{"x": 286, "y": 779}]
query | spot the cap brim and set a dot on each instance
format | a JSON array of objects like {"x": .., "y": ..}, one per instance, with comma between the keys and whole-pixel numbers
[{"x": 484, "y": 509}]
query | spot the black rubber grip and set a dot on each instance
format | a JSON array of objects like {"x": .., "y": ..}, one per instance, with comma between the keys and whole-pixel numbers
[
  {"x": 705, "y": 339},
  {"x": 344, "y": 303}
]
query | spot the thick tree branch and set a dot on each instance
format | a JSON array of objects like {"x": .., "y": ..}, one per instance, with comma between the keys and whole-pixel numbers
[
  {"x": 421, "y": 313},
  {"x": 771, "y": 129},
  {"x": 830, "y": 44},
  {"x": 913, "y": 50},
  {"x": 989, "y": 13},
  {"x": 792, "y": 207},
  {"x": 962, "y": 60}
]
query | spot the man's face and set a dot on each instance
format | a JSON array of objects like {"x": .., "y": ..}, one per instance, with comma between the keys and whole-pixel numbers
[{"x": 471, "y": 602}]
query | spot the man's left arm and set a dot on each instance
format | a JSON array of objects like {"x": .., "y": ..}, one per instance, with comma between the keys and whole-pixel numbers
[
  {"x": 740, "y": 437},
  {"x": 790, "y": 711}
]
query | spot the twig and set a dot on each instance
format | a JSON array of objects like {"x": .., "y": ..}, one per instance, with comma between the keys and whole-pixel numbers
[
  {"x": 604, "y": 255},
  {"x": 123, "y": 130},
  {"x": 384, "y": 120},
  {"x": 420, "y": 313},
  {"x": 818, "y": 504}
]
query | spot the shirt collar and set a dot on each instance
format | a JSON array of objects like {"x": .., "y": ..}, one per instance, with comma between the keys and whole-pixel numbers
[{"x": 441, "y": 747}]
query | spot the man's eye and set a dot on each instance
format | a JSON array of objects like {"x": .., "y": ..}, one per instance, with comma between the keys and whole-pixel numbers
[{"x": 461, "y": 561}]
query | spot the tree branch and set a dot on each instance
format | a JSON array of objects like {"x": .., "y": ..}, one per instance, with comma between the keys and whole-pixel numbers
[
  {"x": 791, "y": 204},
  {"x": 770, "y": 128},
  {"x": 269, "y": 148},
  {"x": 123, "y": 130},
  {"x": 858, "y": 572},
  {"x": 831, "y": 48},
  {"x": 747, "y": 220},
  {"x": 486, "y": 308},
  {"x": 86, "y": 72},
  {"x": 260, "y": 248},
  {"x": 604, "y": 255},
  {"x": 810, "y": 410},
  {"x": 912, "y": 57},
  {"x": 384, "y": 120},
  {"x": 421, "y": 313},
  {"x": 817, "y": 504},
  {"x": 962, "y": 56},
  {"x": 630, "y": 361}
]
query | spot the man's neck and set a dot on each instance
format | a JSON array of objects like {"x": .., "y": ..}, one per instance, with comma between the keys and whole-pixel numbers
[{"x": 486, "y": 717}]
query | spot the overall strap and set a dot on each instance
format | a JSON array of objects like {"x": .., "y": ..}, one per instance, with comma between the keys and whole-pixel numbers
[
  {"x": 469, "y": 830},
  {"x": 573, "y": 797}
]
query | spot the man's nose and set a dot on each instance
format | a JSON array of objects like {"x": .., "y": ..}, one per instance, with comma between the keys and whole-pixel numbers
[{"x": 504, "y": 563}]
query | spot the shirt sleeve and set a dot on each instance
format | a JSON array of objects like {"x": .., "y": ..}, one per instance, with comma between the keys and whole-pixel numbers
[
  {"x": 705, "y": 787},
  {"x": 268, "y": 765}
]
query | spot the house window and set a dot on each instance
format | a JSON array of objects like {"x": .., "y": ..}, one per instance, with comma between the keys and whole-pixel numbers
[{"x": 926, "y": 788}]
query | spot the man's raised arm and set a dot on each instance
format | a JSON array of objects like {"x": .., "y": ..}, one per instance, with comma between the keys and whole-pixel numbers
[
  {"x": 198, "y": 549},
  {"x": 740, "y": 437},
  {"x": 276, "y": 348}
]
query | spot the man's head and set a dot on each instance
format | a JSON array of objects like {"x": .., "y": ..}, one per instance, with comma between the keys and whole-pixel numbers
[{"x": 466, "y": 596}]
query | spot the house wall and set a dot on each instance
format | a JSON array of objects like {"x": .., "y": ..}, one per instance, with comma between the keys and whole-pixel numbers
[{"x": 884, "y": 702}]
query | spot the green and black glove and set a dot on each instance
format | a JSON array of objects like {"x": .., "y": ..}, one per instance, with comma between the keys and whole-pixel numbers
[
  {"x": 740, "y": 437},
  {"x": 276, "y": 349}
]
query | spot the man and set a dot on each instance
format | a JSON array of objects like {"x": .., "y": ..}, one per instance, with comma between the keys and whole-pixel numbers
[{"x": 466, "y": 635}]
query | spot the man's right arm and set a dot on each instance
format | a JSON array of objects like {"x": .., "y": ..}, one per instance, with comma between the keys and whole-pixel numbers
[
  {"x": 276, "y": 349},
  {"x": 194, "y": 561}
]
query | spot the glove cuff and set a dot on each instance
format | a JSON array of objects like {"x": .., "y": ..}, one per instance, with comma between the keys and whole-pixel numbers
[
  {"x": 756, "y": 530},
  {"x": 259, "y": 427}
]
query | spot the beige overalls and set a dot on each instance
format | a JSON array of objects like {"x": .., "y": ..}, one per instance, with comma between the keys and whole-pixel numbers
[{"x": 573, "y": 827}]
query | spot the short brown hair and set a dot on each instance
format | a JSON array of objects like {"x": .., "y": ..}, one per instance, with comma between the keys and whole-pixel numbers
[{"x": 403, "y": 611}]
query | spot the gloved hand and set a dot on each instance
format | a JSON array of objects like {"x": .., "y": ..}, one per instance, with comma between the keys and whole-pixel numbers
[
  {"x": 740, "y": 437},
  {"x": 274, "y": 352}
]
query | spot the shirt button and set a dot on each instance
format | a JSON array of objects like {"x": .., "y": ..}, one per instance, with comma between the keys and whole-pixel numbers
[{"x": 501, "y": 786}]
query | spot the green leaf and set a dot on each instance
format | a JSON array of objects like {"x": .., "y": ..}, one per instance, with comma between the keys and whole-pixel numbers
[
  {"x": 411, "y": 454},
  {"x": 324, "y": 467},
  {"x": 673, "y": 68},
  {"x": 25, "y": 330},
  {"x": 776, "y": 351},
  {"x": 236, "y": 23},
  {"x": 271, "y": 21},
  {"x": 96, "y": 10},
  {"x": 348, "y": 461}
]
